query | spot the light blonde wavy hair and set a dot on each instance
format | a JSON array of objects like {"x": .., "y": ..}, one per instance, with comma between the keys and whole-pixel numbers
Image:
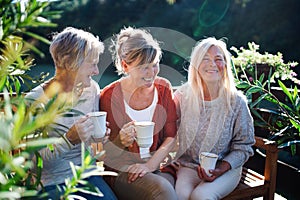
[
  {"x": 226, "y": 84},
  {"x": 71, "y": 47}
]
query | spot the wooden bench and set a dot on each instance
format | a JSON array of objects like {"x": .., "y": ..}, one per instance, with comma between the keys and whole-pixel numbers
[{"x": 253, "y": 184}]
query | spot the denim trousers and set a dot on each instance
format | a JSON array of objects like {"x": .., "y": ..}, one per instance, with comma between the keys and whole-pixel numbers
[{"x": 54, "y": 193}]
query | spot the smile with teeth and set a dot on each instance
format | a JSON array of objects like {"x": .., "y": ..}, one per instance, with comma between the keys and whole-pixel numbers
[
  {"x": 210, "y": 71},
  {"x": 148, "y": 79}
]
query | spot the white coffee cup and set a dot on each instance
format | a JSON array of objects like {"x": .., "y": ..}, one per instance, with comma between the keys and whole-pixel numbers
[
  {"x": 208, "y": 161},
  {"x": 99, "y": 121},
  {"x": 144, "y": 131}
]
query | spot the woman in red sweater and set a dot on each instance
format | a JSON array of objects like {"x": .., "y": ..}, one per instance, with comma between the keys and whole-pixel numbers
[{"x": 140, "y": 95}]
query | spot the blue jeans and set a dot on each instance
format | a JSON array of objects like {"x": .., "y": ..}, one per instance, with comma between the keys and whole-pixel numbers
[{"x": 97, "y": 181}]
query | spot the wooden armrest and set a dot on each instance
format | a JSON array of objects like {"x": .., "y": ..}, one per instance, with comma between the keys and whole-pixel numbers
[
  {"x": 270, "y": 171},
  {"x": 254, "y": 185},
  {"x": 266, "y": 144}
]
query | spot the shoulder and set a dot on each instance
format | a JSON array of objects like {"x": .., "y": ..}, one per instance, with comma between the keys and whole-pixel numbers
[
  {"x": 240, "y": 97},
  {"x": 109, "y": 89},
  {"x": 35, "y": 93},
  {"x": 94, "y": 87},
  {"x": 182, "y": 90},
  {"x": 240, "y": 101},
  {"x": 163, "y": 82}
]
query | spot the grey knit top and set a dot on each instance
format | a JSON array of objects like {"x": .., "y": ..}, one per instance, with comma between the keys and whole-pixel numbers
[
  {"x": 210, "y": 127},
  {"x": 56, "y": 163}
]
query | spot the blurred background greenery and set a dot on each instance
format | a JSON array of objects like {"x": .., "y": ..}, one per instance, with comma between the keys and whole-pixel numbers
[{"x": 273, "y": 24}]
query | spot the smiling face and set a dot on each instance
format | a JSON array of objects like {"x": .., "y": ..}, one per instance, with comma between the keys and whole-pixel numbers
[
  {"x": 85, "y": 72},
  {"x": 142, "y": 75},
  {"x": 212, "y": 66}
]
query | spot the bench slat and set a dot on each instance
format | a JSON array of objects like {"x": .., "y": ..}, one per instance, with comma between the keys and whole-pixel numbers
[{"x": 253, "y": 184}]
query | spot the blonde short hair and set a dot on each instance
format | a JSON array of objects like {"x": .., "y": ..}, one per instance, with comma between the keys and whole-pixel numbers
[
  {"x": 133, "y": 44},
  {"x": 71, "y": 47}
]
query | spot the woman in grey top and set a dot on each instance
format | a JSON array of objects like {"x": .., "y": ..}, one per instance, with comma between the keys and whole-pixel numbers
[
  {"x": 76, "y": 55},
  {"x": 214, "y": 117}
]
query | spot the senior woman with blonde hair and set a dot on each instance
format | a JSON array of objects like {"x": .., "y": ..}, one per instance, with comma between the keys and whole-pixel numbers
[
  {"x": 214, "y": 117},
  {"x": 139, "y": 96},
  {"x": 75, "y": 53}
]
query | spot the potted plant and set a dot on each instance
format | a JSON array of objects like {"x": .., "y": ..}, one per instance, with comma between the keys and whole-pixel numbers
[
  {"x": 276, "y": 110},
  {"x": 250, "y": 63}
]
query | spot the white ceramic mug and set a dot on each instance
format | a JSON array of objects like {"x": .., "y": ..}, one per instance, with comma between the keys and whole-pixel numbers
[
  {"x": 144, "y": 131},
  {"x": 208, "y": 161},
  {"x": 99, "y": 121}
]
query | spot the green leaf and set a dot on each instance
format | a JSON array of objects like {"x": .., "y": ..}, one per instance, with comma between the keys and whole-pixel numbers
[
  {"x": 243, "y": 85},
  {"x": 73, "y": 170},
  {"x": 295, "y": 94},
  {"x": 39, "y": 142},
  {"x": 289, "y": 143},
  {"x": 259, "y": 99},
  {"x": 295, "y": 124},
  {"x": 10, "y": 195},
  {"x": 19, "y": 117},
  {"x": 286, "y": 91},
  {"x": 254, "y": 89},
  {"x": 2, "y": 82},
  {"x": 38, "y": 37}
]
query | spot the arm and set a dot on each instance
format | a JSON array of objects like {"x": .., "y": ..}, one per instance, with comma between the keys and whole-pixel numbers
[
  {"x": 109, "y": 103},
  {"x": 241, "y": 144},
  {"x": 243, "y": 137},
  {"x": 168, "y": 135},
  {"x": 68, "y": 134},
  {"x": 139, "y": 170}
]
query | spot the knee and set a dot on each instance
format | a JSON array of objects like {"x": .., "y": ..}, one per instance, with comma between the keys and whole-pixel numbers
[
  {"x": 183, "y": 189},
  {"x": 163, "y": 190},
  {"x": 203, "y": 195},
  {"x": 183, "y": 194}
]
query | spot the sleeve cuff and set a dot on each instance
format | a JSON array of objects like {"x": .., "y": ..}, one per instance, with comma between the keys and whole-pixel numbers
[{"x": 65, "y": 144}]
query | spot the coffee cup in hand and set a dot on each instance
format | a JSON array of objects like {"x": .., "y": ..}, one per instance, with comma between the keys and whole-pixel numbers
[
  {"x": 99, "y": 121},
  {"x": 144, "y": 133},
  {"x": 208, "y": 161}
]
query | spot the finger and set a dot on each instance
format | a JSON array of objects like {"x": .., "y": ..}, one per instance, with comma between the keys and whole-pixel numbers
[
  {"x": 128, "y": 130},
  {"x": 134, "y": 177},
  {"x": 83, "y": 118},
  {"x": 131, "y": 168},
  {"x": 143, "y": 173},
  {"x": 175, "y": 164},
  {"x": 128, "y": 124},
  {"x": 199, "y": 172},
  {"x": 108, "y": 131}
]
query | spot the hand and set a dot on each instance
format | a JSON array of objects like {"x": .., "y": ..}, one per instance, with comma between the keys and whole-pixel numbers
[
  {"x": 104, "y": 139},
  {"x": 202, "y": 174},
  {"x": 176, "y": 165},
  {"x": 221, "y": 168},
  {"x": 80, "y": 131},
  {"x": 137, "y": 170},
  {"x": 127, "y": 134}
]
